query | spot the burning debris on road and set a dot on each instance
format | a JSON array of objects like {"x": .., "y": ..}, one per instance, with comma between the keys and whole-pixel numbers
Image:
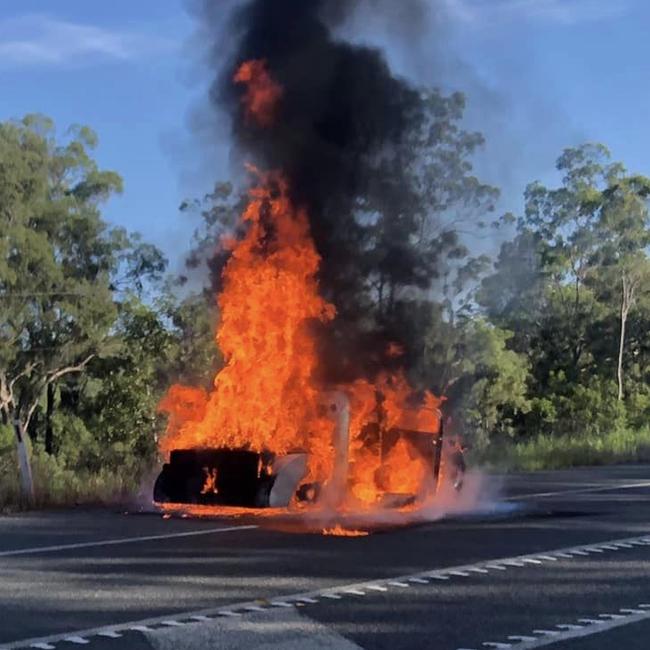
[{"x": 313, "y": 404}]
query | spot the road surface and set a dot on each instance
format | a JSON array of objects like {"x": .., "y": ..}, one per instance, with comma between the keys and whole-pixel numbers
[{"x": 562, "y": 562}]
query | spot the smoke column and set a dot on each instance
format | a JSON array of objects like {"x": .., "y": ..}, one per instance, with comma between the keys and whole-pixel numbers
[{"x": 341, "y": 116}]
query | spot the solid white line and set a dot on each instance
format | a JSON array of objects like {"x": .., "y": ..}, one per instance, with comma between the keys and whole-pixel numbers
[
  {"x": 334, "y": 592},
  {"x": 600, "y": 488},
  {"x": 123, "y": 540}
]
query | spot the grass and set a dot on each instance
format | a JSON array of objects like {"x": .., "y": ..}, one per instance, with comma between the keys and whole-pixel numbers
[
  {"x": 56, "y": 486},
  {"x": 561, "y": 452}
]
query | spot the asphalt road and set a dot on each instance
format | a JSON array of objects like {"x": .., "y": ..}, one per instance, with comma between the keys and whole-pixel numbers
[{"x": 561, "y": 561}]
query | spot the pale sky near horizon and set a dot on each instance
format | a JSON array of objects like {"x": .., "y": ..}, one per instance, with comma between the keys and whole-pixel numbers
[{"x": 540, "y": 75}]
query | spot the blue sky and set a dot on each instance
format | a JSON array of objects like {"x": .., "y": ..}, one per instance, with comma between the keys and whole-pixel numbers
[{"x": 540, "y": 75}]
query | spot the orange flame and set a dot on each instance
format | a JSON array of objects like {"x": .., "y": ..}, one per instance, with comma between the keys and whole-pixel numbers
[
  {"x": 265, "y": 398},
  {"x": 339, "y": 531},
  {"x": 262, "y": 94}
]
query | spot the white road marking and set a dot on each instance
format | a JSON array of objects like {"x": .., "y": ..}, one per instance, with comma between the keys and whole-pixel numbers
[
  {"x": 280, "y": 603},
  {"x": 42, "y": 646},
  {"x": 124, "y": 540},
  {"x": 110, "y": 635},
  {"x": 200, "y": 619},
  {"x": 78, "y": 640},
  {"x": 518, "y": 637},
  {"x": 378, "y": 587},
  {"x": 633, "y": 611},
  {"x": 172, "y": 623},
  {"x": 397, "y": 583},
  {"x": 494, "y": 644},
  {"x": 334, "y": 593},
  {"x": 420, "y": 581},
  {"x": 571, "y": 631},
  {"x": 600, "y": 488},
  {"x": 591, "y": 621}
]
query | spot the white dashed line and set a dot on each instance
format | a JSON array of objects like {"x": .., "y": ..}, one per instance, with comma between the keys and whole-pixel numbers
[
  {"x": 338, "y": 593},
  {"x": 77, "y": 640},
  {"x": 110, "y": 634},
  {"x": 590, "y": 627}
]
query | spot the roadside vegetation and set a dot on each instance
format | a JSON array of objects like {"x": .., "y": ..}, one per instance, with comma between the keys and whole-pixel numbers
[{"x": 542, "y": 352}]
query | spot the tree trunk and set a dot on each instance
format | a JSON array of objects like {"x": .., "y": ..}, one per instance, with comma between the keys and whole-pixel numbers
[
  {"x": 49, "y": 411},
  {"x": 627, "y": 299},
  {"x": 621, "y": 347},
  {"x": 24, "y": 464}
]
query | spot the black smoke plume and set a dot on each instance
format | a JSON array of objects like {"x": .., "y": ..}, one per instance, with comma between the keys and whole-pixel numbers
[{"x": 342, "y": 114}]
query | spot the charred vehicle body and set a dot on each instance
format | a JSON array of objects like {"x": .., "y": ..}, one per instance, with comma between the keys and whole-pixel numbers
[{"x": 246, "y": 478}]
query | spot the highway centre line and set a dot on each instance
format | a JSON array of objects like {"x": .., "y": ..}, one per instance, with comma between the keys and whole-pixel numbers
[
  {"x": 601, "y": 488},
  {"x": 122, "y": 540}
]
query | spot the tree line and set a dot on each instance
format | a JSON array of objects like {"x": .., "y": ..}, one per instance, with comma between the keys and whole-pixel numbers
[{"x": 545, "y": 338}]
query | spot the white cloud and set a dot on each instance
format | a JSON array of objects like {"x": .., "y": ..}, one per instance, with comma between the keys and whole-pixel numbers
[
  {"x": 565, "y": 12},
  {"x": 42, "y": 40}
]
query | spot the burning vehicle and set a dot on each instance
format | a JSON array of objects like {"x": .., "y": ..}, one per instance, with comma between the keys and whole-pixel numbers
[
  {"x": 313, "y": 404},
  {"x": 245, "y": 478}
]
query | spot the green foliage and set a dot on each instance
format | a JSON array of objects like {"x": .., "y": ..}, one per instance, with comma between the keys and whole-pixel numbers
[{"x": 553, "y": 451}]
